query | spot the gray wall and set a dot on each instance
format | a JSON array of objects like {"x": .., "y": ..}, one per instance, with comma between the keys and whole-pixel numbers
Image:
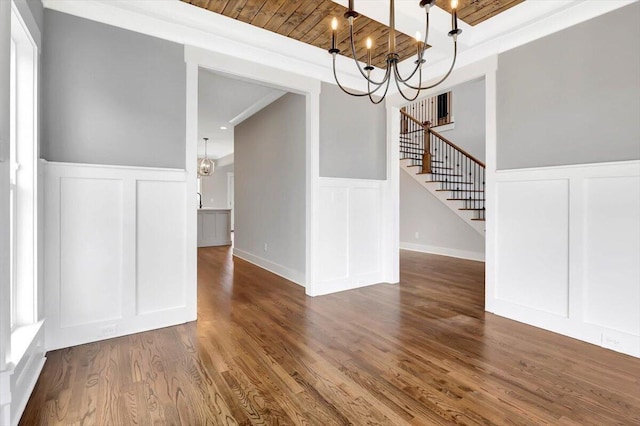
[
  {"x": 572, "y": 97},
  {"x": 270, "y": 183},
  {"x": 435, "y": 223},
  {"x": 353, "y": 136},
  {"x": 469, "y": 118},
  {"x": 214, "y": 188},
  {"x": 111, "y": 96}
]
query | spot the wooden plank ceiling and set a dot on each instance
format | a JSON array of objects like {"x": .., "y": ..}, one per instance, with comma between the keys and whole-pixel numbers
[
  {"x": 309, "y": 21},
  {"x": 475, "y": 11}
]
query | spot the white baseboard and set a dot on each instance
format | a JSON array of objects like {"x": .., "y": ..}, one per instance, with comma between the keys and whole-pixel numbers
[
  {"x": 443, "y": 251},
  {"x": 280, "y": 270},
  {"x": 349, "y": 283},
  {"x": 22, "y": 399},
  {"x": 17, "y": 383}
]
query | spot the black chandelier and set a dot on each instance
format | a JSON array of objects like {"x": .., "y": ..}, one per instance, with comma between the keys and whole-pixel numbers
[{"x": 393, "y": 58}]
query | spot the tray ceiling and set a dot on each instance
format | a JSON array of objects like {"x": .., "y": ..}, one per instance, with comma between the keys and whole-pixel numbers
[{"x": 309, "y": 21}]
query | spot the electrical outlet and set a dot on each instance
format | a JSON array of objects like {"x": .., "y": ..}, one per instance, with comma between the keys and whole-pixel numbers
[
  {"x": 417, "y": 235},
  {"x": 610, "y": 341},
  {"x": 266, "y": 247},
  {"x": 109, "y": 330}
]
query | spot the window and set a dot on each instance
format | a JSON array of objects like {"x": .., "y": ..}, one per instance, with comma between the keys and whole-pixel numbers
[
  {"x": 23, "y": 172},
  {"x": 12, "y": 184},
  {"x": 435, "y": 110}
]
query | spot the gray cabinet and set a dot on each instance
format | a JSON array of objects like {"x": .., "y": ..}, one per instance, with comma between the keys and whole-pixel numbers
[{"x": 214, "y": 227}]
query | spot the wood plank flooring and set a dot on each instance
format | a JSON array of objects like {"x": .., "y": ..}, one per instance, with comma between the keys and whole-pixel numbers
[{"x": 262, "y": 353}]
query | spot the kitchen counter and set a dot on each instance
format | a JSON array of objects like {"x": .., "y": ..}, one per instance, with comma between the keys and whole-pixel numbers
[{"x": 214, "y": 227}]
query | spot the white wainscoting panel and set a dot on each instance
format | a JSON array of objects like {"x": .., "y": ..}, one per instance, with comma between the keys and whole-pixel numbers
[
  {"x": 364, "y": 247},
  {"x": 333, "y": 238},
  {"x": 115, "y": 251},
  {"x": 160, "y": 246},
  {"x": 349, "y": 245},
  {"x": 567, "y": 251},
  {"x": 611, "y": 230},
  {"x": 534, "y": 271},
  {"x": 91, "y": 224}
]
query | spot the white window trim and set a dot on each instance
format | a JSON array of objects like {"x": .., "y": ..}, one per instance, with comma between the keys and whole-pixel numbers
[{"x": 24, "y": 177}]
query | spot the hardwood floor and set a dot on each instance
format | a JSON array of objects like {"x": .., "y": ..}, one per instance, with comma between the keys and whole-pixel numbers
[{"x": 419, "y": 353}]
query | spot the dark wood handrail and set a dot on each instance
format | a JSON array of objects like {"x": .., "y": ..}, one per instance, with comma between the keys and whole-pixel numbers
[{"x": 445, "y": 140}]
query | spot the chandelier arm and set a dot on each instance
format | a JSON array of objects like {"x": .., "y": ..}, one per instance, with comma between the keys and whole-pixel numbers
[
  {"x": 355, "y": 58},
  {"x": 335, "y": 76},
  {"x": 420, "y": 57},
  {"x": 453, "y": 63},
  {"x": 410, "y": 99},
  {"x": 383, "y": 95}
]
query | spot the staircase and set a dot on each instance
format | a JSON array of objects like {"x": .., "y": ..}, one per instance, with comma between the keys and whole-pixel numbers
[{"x": 452, "y": 175}]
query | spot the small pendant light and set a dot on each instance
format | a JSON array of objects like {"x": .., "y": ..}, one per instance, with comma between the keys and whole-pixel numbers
[{"x": 206, "y": 166}]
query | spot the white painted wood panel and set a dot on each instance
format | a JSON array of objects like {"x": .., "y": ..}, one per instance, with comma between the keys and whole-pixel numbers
[
  {"x": 160, "y": 246},
  {"x": 333, "y": 234},
  {"x": 91, "y": 224},
  {"x": 350, "y": 233},
  {"x": 597, "y": 245},
  {"x": 611, "y": 230},
  {"x": 115, "y": 252},
  {"x": 533, "y": 244},
  {"x": 364, "y": 233}
]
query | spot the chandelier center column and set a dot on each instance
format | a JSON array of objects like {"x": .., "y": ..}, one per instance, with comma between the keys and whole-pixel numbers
[{"x": 392, "y": 27}]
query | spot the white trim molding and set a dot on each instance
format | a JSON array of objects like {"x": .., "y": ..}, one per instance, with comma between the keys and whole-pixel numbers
[
  {"x": 566, "y": 244},
  {"x": 280, "y": 270},
  {"x": 443, "y": 251}
]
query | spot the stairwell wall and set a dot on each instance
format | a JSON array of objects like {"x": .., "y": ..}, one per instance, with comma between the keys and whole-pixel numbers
[
  {"x": 468, "y": 130},
  {"x": 427, "y": 225}
]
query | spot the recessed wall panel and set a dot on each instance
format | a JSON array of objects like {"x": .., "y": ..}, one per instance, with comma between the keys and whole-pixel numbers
[
  {"x": 160, "y": 246},
  {"x": 611, "y": 231},
  {"x": 333, "y": 233},
  {"x": 532, "y": 255},
  {"x": 91, "y": 226},
  {"x": 365, "y": 230}
]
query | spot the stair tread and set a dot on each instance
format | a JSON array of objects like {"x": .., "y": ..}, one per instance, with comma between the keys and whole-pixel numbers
[
  {"x": 461, "y": 190},
  {"x": 479, "y": 219},
  {"x": 452, "y": 182},
  {"x": 475, "y": 210},
  {"x": 466, "y": 199}
]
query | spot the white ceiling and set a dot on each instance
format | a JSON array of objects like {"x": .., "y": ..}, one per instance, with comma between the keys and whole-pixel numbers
[{"x": 225, "y": 102}]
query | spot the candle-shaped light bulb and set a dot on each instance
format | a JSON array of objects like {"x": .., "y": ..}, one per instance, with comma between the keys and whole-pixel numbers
[
  {"x": 369, "y": 44},
  {"x": 419, "y": 43},
  {"x": 418, "y": 36},
  {"x": 334, "y": 28},
  {"x": 454, "y": 15}
]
